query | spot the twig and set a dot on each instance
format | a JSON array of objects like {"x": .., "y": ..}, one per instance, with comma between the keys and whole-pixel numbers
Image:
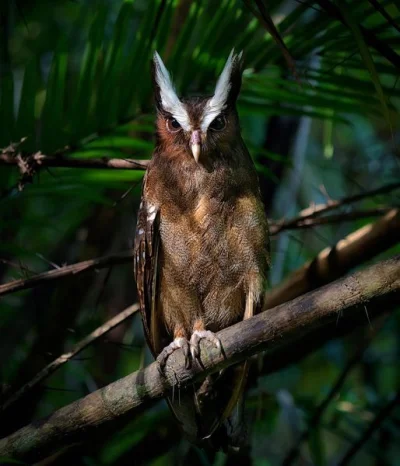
[
  {"x": 318, "y": 210},
  {"x": 267, "y": 331},
  {"x": 307, "y": 222},
  {"x": 31, "y": 162},
  {"x": 73, "y": 269},
  {"x": 266, "y": 21},
  {"x": 375, "y": 425},
  {"x": 57, "y": 363}
]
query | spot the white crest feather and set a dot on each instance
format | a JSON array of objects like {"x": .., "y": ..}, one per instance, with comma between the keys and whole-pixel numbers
[
  {"x": 169, "y": 99},
  {"x": 218, "y": 101}
]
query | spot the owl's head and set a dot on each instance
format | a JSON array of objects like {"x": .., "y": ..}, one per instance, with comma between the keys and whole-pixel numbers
[{"x": 199, "y": 125}]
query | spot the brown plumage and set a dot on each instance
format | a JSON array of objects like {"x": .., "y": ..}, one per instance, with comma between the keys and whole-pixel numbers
[{"x": 202, "y": 244}]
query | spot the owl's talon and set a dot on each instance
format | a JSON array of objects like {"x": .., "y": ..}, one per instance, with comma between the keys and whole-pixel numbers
[
  {"x": 199, "y": 335},
  {"x": 168, "y": 350}
]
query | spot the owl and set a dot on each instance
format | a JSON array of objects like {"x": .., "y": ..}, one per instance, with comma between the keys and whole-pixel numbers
[{"x": 201, "y": 251}]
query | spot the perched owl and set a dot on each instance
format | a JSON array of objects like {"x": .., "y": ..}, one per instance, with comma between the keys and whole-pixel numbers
[{"x": 201, "y": 246}]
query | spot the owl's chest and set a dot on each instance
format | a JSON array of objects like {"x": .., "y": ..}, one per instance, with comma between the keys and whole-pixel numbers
[{"x": 214, "y": 237}]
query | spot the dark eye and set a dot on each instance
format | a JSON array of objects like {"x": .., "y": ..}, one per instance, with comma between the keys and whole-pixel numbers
[
  {"x": 173, "y": 125},
  {"x": 218, "y": 124}
]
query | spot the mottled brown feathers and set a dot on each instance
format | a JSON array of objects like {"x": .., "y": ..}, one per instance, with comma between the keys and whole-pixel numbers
[{"x": 201, "y": 247}]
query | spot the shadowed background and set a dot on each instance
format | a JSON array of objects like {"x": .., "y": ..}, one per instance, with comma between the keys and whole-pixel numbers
[{"x": 75, "y": 82}]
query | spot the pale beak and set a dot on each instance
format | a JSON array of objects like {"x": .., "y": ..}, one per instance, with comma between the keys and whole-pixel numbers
[{"x": 195, "y": 146}]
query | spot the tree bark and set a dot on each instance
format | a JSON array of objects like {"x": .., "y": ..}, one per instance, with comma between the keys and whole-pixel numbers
[{"x": 378, "y": 285}]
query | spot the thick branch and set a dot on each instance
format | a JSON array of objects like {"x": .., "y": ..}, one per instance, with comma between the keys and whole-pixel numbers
[
  {"x": 266, "y": 332},
  {"x": 333, "y": 262}
]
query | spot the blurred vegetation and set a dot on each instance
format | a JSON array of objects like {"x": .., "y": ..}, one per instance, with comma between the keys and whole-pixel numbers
[{"x": 75, "y": 78}]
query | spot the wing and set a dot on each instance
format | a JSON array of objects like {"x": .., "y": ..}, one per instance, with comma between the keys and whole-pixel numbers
[{"x": 145, "y": 264}]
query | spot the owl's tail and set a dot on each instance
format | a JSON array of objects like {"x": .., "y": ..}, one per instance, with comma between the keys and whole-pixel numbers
[{"x": 211, "y": 412}]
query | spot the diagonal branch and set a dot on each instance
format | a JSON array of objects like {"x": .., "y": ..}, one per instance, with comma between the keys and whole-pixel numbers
[
  {"x": 333, "y": 262},
  {"x": 379, "y": 285},
  {"x": 302, "y": 224},
  {"x": 58, "y": 362},
  {"x": 73, "y": 269},
  {"x": 373, "y": 427},
  {"x": 321, "y": 209}
]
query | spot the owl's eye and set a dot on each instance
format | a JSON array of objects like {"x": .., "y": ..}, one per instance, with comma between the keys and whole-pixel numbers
[
  {"x": 218, "y": 124},
  {"x": 173, "y": 125}
]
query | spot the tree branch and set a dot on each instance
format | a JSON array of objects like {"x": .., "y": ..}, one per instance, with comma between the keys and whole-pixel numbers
[
  {"x": 265, "y": 332},
  {"x": 333, "y": 262},
  {"x": 28, "y": 163},
  {"x": 381, "y": 235},
  {"x": 321, "y": 209},
  {"x": 73, "y": 269},
  {"x": 301, "y": 224},
  {"x": 58, "y": 362}
]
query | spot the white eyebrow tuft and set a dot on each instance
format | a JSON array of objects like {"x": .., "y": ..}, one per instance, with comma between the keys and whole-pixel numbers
[
  {"x": 217, "y": 103},
  {"x": 169, "y": 99}
]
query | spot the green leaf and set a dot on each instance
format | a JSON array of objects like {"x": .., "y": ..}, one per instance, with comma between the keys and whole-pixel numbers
[
  {"x": 109, "y": 92},
  {"x": 52, "y": 118},
  {"x": 82, "y": 114},
  {"x": 366, "y": 56},
  {"x": 7, "y": 109},
  {"x": 4, "y": 460},
  {"x": 26, "y": 121}
]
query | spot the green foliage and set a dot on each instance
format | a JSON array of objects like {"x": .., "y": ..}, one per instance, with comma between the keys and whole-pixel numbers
[{"x": 77, "y": 81}]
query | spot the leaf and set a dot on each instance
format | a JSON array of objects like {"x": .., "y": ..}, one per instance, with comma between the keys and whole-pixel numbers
[
  {"x": 7, "y": 108},
  {"x": 26, "y": 121},
  {"x": 107, "y": 102},
  {"x": 52, "y": 135},
  {"x": 82, "y": 115},
  {"x": 366, "y": 56},
  {"x": 4, "y": 460}
]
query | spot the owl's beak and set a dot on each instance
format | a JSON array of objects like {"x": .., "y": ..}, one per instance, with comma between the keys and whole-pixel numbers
[{"x": 195, "y": 146}]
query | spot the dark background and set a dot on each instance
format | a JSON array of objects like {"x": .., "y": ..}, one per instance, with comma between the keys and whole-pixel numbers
[{"x": 75, "y": 77}]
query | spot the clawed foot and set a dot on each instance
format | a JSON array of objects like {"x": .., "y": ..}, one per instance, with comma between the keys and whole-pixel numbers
[
  {"x": 199, "y": 335},
  {"x": 168, "y": 350},
  {"x": 193, "y": 348}
]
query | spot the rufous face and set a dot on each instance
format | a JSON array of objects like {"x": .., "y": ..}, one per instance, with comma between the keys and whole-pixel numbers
[{"x": 199, "y": 124}]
